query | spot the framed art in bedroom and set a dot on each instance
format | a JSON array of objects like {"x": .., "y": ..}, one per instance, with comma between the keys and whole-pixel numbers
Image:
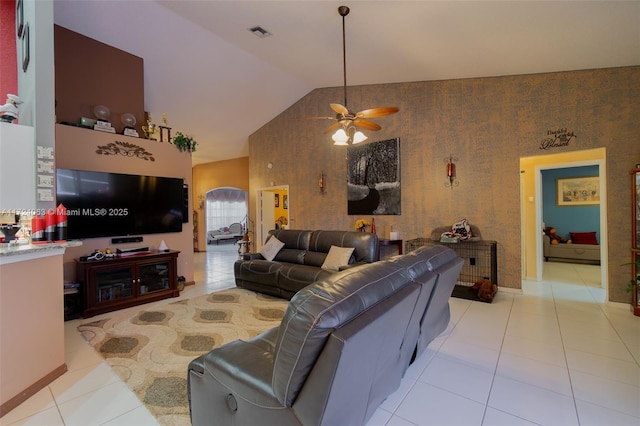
[{"x": 578, "y": 191}]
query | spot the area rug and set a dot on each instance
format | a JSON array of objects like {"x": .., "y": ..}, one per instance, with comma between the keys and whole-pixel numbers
[{"x": 151, "y": 349}]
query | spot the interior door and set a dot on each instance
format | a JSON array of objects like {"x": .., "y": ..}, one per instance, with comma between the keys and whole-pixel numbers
[{"x": 266, "y": 218}]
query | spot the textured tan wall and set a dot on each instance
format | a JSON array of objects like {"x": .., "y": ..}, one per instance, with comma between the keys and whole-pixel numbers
[
  {"x": 229, "y": 173},
  {"x": 489, "y": 124}
]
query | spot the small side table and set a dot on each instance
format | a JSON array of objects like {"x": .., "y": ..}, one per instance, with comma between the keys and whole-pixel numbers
[
  {"x": 243, "y": 247},
  {"x": 397, "y": 243}
]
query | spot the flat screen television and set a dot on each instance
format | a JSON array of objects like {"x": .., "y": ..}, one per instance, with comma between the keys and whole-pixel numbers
[{"x": 101, "y": 204}]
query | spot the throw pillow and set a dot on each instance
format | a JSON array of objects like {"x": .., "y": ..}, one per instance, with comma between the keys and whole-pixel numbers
[
  {"x": 584, "y": 238},
  {"x": 337, "y": 257},
  {"x": 271, "y": 248}
]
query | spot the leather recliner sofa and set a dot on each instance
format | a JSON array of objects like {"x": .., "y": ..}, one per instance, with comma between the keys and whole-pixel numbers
[
  {"x": 341, "y": 349},
  {"x": 299, "y": 262}
]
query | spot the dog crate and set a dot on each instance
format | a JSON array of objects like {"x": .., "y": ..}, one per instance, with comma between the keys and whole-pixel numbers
[{"x": 480, "y": 258}]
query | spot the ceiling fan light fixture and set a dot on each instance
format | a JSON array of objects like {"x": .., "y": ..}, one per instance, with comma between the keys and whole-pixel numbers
[
  {"x": 359, "y": 137},
  {"x": 348, "y": 135},
  {"x": 340, "y": 137}
]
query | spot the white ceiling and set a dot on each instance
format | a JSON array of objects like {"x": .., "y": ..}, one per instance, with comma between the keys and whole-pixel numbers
[{"x": 219, "y": 82}]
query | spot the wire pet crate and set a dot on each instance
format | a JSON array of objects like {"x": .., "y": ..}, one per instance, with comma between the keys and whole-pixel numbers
[{"x": 479, "y": 256}]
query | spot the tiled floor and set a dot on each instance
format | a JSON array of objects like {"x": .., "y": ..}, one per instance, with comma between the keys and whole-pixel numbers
[{"x": 554, "y": 355}]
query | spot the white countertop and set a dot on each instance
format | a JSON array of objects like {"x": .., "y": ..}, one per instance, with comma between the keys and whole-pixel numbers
[{"x": 11, "y": 253}]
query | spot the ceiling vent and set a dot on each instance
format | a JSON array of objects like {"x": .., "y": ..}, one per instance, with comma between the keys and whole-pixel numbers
[{"x": 260, "y": 32}]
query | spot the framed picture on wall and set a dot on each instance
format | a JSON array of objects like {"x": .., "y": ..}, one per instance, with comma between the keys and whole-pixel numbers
[
  {"x": 25, "y": 48},
  {"x": 19, "y": 18},
  {"x": 276, "y": 200},
  {"x": 578, "y": 191},
  {"x": 285, "y": 202}
]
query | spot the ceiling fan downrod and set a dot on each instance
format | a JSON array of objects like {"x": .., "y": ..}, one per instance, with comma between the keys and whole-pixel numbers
[{"x": 344, "y": 11}]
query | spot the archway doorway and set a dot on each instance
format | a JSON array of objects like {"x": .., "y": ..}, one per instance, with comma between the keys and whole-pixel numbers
[{"x": 226, "y": 215}]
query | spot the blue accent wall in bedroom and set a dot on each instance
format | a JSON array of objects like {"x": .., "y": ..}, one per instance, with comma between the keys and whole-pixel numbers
[{"x": 568, "y": 218}]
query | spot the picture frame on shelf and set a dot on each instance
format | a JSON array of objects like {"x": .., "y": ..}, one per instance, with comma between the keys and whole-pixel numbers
[{"x": 578, "y": 191}]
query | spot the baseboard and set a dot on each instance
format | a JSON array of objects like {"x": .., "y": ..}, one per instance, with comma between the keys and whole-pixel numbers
[{"x": 32, "y": 390}]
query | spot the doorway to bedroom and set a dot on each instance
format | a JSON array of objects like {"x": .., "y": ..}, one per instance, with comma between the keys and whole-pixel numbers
[
  {"x": 533, "y": 219},
  {"x": 226, "y": 217}
]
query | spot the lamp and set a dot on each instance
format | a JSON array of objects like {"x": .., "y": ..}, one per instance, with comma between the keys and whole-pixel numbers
[
  {"x": 348, "y": 135},
  {"x": 451, "y": 171}
]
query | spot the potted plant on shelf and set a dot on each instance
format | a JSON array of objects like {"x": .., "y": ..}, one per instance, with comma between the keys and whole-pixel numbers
[{"x": 184, "y": 142}]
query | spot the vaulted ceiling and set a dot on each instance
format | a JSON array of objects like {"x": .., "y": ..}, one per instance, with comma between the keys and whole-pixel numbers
[{"x": 219, "y": 82}]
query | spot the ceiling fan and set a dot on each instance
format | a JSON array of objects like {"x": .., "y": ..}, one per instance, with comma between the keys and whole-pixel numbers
[{"x": 347, "y": 121}]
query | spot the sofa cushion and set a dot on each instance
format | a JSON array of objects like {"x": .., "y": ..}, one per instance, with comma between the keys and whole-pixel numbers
[
  {"x": 584, "y": 238},
  {"x": 366, "y": 244},
  {"x": 337, "y": 257},
  {"x": 271, "y": 248},
  {"x": 314, "y": 258},
  {"x": 294, "y": 277},
  {"x": 260, "y": 271},
  {"x": 316, "y": 310},
  {"x": 290, "y": 256},
  {"x": 292, "y": 238}
]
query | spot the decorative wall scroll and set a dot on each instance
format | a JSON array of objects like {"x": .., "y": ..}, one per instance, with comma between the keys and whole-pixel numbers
[
  {"x": 557, "y": 138},
  {"x": 126, "y": 149}
]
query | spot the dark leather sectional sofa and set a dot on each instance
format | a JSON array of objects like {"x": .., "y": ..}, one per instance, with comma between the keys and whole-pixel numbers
[
  {"x": 299, "y": 262},
  {"x": 341, "y": 349}
]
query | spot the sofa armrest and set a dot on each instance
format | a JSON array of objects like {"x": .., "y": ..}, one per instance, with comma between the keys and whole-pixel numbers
[{"x": 252, "y": 256}]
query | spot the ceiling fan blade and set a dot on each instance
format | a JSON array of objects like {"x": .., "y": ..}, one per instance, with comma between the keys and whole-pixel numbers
[
  {"x": 333, "y": 127},
  {"x": 366, "y": 124},
  {"x": 376, "y": 112},
  {"x": 339, "y": 109},
  {"x": 318, "y": 118}
]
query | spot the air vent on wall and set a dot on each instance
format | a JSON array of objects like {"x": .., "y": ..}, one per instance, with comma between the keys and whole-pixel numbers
[{"x": 260, "y": 32}]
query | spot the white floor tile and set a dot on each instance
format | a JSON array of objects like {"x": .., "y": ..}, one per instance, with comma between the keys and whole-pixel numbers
[
  {"x": 594, "y": 415},
  {"x": 493, "y": 417},
  {"x": 605, "y": 367},
  {"x": 428, "y": 405},
  {"x": 458, "y": 377},
  {"x": 100, "y": 406},
  {"x": 606, "y": 393},
  {"x": 532, "y": 403},
  {"x": 533, "y": 349},
  {"x": 41, "y": 401},
  {"x": 138, "y": 416},
  {"x": 537, "y": 373},
  {"x": 48, "y": 417}
]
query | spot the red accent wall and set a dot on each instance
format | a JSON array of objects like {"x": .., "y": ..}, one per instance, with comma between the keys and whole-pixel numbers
[{"x": 8, "y": 54}]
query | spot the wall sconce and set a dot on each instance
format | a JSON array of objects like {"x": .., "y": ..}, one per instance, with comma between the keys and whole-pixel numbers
[
  {"x": 201, "y": 199},
  {"x": 451, "y": 171},
  {"x": 321, "y": 183}
]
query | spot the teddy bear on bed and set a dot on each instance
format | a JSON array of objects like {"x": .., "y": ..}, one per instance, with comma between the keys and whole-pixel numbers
[
  {"x": 485, "y": 288},
  {"x": 550, "y": 231}
]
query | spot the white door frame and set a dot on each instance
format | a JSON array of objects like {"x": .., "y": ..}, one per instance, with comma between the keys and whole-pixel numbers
[
  {"x": 604, "y": 254},
  {"x": 258, "y": 241}
]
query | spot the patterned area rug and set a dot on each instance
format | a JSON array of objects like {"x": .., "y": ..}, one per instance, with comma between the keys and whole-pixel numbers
[{"x": 151, "y": 350}]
